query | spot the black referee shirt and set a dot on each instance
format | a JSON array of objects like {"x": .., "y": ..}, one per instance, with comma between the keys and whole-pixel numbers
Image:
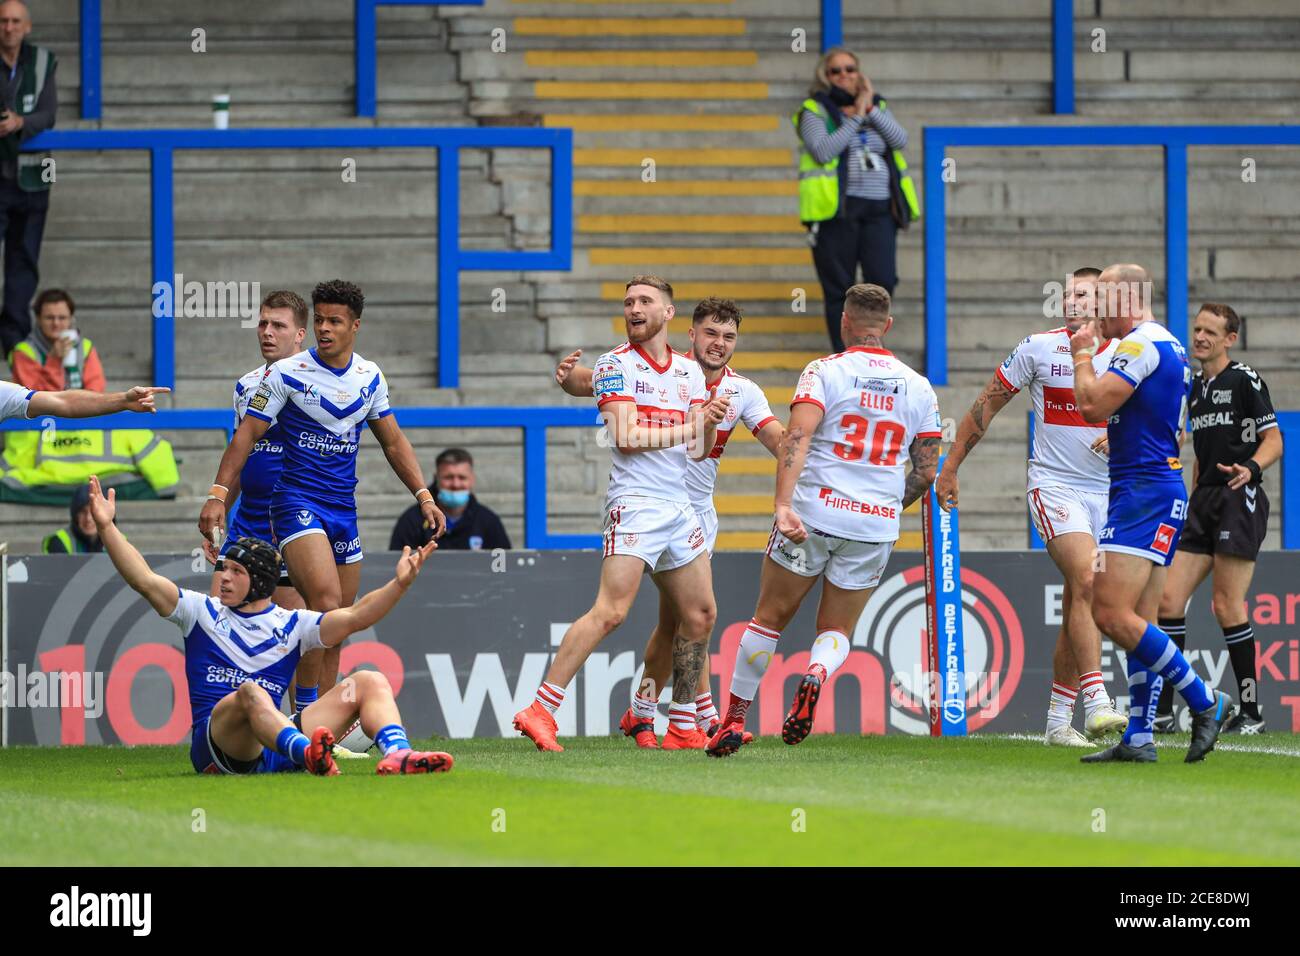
[{"x": 1226, "y": 415}]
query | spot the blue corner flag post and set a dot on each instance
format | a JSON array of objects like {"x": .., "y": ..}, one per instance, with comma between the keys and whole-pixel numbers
[{"x": 945, "y": 650}]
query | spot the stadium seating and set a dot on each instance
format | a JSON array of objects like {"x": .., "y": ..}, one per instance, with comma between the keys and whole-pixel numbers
[{"x": 1015, "y": 217}]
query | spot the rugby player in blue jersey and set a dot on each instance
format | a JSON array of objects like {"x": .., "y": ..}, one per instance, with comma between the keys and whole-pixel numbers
[
  {"x": 281, "y": 328},
  {"x": 1142, "y": 396},
  {"x": 241, "y": 650},
  {"x": 320, "y": 398}
]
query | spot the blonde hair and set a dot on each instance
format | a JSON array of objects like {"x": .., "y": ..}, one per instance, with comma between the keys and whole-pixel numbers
[{"x": 821, "y": 79}]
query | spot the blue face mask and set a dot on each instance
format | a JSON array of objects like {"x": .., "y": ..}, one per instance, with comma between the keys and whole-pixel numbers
[{"x": 453, "y": 499}]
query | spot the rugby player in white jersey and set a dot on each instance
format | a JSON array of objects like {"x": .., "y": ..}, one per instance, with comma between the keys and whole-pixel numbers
[
  {"x": 240, "y": 651},
  {"x": 320, "y": 397},
  {"x": 1067, "y": 494},
  {"x": 657, "y": 412},
  {"x": 856, "y": 417},
  {"x": 715, "y": 329},
  {"x": 281, "y": 329},
  {"x": 19, "y": 402}
]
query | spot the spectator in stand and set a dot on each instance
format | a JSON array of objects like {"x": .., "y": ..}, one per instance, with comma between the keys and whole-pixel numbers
[
  {"x": 471, "y": 526},
  {"x": 54, "y": 356},
  {"x": 854, "y": 192},
  {"x": 79, "y": 537},
  {"x": 28, "y": 103}
]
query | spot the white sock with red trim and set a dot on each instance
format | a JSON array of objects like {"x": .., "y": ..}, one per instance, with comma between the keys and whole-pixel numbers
[
  {"x": 1060, "y": 706},
  {"x": 644, "y": 707},
  {"x": 757, "y": 645},
  {"x": 706, "y": 715},
  {"x": 830, "y": 650},
  {"x": 682, "y": 716},
  {"x": 550, "y": 696},
  {"x": 1092, "y": 691}
]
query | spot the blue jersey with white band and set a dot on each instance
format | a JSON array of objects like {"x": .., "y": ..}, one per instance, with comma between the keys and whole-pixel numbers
[
  {"x": 320, "y": 410},
  {"x": 265, "y": 461},
  {"x": 225, "y": 647},
  {"x": 1143, "y": 432}
]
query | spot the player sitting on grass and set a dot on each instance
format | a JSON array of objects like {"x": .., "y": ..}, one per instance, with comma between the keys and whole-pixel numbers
[{"x": 240, "y": 653}]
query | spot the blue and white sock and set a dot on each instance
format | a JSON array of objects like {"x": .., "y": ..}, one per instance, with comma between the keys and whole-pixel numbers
[
  {"x": 1158, "y": 653},
  {"x": 392, "y": 737},
  {"x": 1143, "y": 698},
  {"x": 302, "y": 696},
  {"x": 292, "y": 743}
]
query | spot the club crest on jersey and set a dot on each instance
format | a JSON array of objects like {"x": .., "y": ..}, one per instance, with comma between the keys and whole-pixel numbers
[
  {"x": 304, "y": 518},
  {"x": 630, "y": 539},
  {"x": 281, "y": 636},
  {"x": 683, "y": 392},
  {"x": 1164, "y": 539},
  {"x": 366, "y": 392}
]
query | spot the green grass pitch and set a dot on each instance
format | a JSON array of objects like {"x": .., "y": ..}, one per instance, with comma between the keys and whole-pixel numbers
[{"x": 893, "y": 801}]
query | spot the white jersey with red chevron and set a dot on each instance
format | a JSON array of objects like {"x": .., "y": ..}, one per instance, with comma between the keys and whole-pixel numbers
[
  {"x": 749, "y": 407},
  {"x": 662, "y": 394},
  {"x": 875, "y": 406},
  {"x": 1062, "y": 452}
]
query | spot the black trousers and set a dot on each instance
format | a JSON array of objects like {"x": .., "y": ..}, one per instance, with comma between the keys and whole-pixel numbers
[
  {"x": 865, "y": 236},
  {"x": 22, "y": 224}
]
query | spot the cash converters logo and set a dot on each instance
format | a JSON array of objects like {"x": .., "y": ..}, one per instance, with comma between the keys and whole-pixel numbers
[{"x": 893, "y": 627}]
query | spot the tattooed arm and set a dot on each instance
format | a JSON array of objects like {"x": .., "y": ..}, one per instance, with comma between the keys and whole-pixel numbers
[
  {"x": 790, "y": 455},
  {"x": 925, "y": 462},
  {"x": 973, "y": 425}
]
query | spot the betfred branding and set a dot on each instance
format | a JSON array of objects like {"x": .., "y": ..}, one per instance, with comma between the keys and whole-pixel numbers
[
  {"x": 1164, "y": 539},
  {"x": 830, "y": 499}
]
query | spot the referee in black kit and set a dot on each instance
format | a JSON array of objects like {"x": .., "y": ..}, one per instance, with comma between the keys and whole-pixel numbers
[{"x": 1235, "y": 436}]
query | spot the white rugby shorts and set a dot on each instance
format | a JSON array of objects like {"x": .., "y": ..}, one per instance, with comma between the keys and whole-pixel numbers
[
  {"x": 709, "y": 523},
  {"x": 851, "y": 565},
  {"x": 663, "y": 534},
  {"x": 1057, "y": 509}
]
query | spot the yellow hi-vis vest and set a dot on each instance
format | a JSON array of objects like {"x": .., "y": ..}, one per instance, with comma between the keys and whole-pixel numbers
[
  {"x": 66, "y": 457},
  {"x": 819, "y": 183}
]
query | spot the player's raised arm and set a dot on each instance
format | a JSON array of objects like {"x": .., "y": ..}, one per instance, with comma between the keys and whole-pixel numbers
[
  {"x": 213, "y": 515},
  {"x": 161, "y": 593},
  {"x": 973, "y": 426},
  {"x": 79, "y": 403},
  {"x": 631, "y": 438},
  {"x": 401, "y": 458},
  {"x": 575, "y": 379},
  {"x": 1099, "y": 398},
  {"x": 338, "y": 624},
  {"x": 710, "y": 415}
]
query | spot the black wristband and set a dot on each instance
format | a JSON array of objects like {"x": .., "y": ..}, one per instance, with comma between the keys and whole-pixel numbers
[{"x": 1256, "y": 473}]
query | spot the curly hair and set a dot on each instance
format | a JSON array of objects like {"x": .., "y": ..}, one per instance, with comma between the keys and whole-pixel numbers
[
  {"x": 340, "y": 292},
  {"x": 722, "y": 311}
]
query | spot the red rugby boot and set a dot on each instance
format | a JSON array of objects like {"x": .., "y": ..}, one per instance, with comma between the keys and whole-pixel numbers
[
  {"x": 536, "y": 723},
  {"x": 319, "y": 757}
]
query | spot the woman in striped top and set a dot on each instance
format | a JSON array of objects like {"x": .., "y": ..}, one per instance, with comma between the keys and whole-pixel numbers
[{"x": 851, "y": 123}]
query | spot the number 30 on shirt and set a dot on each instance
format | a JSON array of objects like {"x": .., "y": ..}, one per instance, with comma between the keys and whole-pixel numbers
[{"x": 886, "y": 440}]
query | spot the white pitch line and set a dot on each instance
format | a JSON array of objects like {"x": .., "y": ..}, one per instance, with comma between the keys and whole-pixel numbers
[{"x": 1231, "y": 748}]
